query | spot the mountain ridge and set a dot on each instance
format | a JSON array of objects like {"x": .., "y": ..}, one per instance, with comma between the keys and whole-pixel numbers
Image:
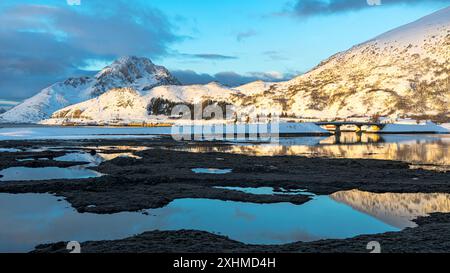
[
  {"x": 407, "y": 67},
  {"x": 128, "y": 71}
]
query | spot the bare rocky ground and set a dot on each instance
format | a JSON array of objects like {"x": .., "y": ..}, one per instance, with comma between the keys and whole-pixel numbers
[{"x": 163, "y": 175}]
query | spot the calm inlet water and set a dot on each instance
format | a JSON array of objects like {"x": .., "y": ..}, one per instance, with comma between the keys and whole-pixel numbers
[
  {"x": 416, "y": 149},
  {"x": 40, "y": 218},
  {"x": 266, "y": 191},
  {"x": 46, "y": 173},
  {"x": 75, "y": 172}
]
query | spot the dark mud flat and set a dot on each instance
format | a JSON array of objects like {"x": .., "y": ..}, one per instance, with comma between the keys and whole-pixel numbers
[
  {"x": 163, "y": 175},
  {"x": 431, "y": 236}
]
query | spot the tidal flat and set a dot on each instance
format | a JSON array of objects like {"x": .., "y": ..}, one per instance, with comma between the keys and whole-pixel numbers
[{"x": 265, "y": 202}]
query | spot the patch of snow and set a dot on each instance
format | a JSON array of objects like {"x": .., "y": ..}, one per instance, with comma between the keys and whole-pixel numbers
[{"x": 428, "y": 127}]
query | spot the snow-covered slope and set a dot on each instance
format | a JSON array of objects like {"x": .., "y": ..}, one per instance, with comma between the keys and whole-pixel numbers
[
  {"x": 254, "y": 88},
  {"x": 114, "y": 105},
  {"x": 193, "y": 93},
  {"x": 138, "y": 73},
  {"x": 129, "y": 105},
  {"x": 402, "y": 72}
]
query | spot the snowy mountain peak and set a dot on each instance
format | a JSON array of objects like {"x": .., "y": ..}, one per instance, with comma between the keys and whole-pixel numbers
[
  {"x": 410, "y": 33},
  {"x": 137, "y": 73},
  {"x": 132, "y": 65}
]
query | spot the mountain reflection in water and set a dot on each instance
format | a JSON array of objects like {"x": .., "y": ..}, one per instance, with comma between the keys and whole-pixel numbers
[
  {"x": 395, "y": 209},
  {"x": 416, "y": 149}
]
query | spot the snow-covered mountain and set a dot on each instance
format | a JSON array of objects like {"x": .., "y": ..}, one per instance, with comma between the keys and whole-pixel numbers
[
  {"x": 128, "y": 105},
  {"x": 138, "y": 73},
  {"x": 402, "y": 72}
]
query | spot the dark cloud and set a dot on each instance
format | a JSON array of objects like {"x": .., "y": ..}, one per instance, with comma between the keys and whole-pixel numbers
[
  {"x": 317, "y": 7},
  {"x": 207, "y": 56},
  {"x": 245, "y": 34},
  {"x": 191, "y": 77},
  {"x": 43, "y": 44},
  {"x": 228, "y": 78},
  {"x": 5, "y": 105}
]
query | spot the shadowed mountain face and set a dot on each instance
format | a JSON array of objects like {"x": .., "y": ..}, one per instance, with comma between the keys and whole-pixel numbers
[
  {"x": 396, "y": 209},
  {"x": 137, "y": 73}
]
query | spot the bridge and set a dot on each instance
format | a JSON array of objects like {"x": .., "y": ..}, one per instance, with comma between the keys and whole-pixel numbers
[{"x": 338, "y": 124}]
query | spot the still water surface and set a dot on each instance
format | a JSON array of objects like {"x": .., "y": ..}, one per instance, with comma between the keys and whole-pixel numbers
[
  {"x": 416, "y": 149},
  {"x": 27, "y": 220}
]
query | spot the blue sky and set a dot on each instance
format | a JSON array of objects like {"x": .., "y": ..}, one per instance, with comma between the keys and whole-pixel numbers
[{"x": 232, "y": 41}]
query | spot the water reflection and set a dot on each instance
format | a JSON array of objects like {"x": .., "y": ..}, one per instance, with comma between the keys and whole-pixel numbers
[
  {"x": 116, "y": 148},
  {"x": 74, "y": 154},
  {"x": 267, "y": 191},
  {"x": 9, "y": 150},
  {"x": 46, "y": 173},
  {"x": 93, "y": 159},
  {"x": 40, "y": 218},
  {"x": 417, "y": 149},
  {"x": 211, "y": 171},
  {"x": 396, "y": 209}
]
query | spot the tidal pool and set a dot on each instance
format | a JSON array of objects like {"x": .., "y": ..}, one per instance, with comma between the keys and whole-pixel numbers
[
  {"x": 211, "y": 171},
  {"x": 27, "y": 220},
  {"x": 46, "y": 173},
  {"x": 267, "y": 191},
  {"x": 9, "y": 150},
  {"x": 93, "y": 160}
]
